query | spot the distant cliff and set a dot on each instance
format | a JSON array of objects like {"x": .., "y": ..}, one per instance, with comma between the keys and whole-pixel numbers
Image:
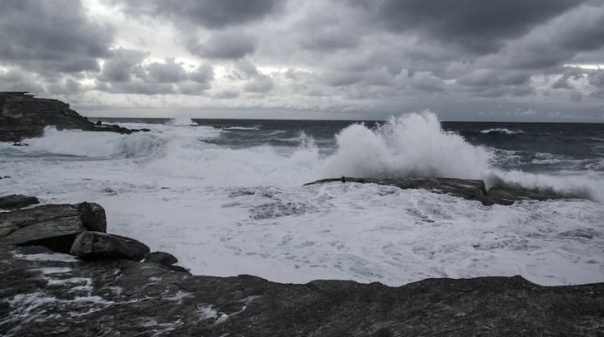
[{"x": 24, "y": 116}]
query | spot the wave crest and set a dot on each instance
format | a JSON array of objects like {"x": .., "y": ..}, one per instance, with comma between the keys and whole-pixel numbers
[{"x": 410, "y": 145}]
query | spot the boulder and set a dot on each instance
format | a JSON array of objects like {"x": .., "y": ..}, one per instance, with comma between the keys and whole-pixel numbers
[
  {"x": 15, "y": 201},
  {"x": 162, "y": 258},
  {"x": 52, "y": 226},
  {"x": 96, "y": 245}
]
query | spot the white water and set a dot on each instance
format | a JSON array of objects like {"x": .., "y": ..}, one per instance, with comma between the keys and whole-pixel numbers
[{"x": 227, "y": 212}]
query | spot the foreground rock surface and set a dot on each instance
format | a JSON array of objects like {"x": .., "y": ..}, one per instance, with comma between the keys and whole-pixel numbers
[
  {"x": 24, "y": 116},
  {"x": 464, "y": 188},
  {"x": 44, "y": 293}
]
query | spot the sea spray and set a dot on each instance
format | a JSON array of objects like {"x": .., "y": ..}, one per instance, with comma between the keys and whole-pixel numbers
[
  {"x": 410, "y": 145},
  {"x": 96, "y": 144}
]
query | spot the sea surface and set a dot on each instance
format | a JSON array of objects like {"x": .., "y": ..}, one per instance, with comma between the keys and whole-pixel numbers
[{"x": 226, "y": 197}]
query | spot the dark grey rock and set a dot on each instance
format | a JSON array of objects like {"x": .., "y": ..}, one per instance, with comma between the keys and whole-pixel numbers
[
  {"x": 52, "y": 226},
  {"x": 14, "y": 201},
  {"x": 463, "y": 188},
  {"x": 96, "y": 245},
  {"x": 162, "y": 258}
]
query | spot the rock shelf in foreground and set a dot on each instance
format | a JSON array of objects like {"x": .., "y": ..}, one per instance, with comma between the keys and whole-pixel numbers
[{"x": 45, "y": 293}]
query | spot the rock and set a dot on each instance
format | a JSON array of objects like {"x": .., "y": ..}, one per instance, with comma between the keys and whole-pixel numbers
[
  {"x": 162, "y": 258},
  {"x": 52, "y": 226},
  {"x": 24, "y": 116},
  {"x": 96, "y": 245},
  {"x": 464, "y": 188},
  {"x": 15, "y": 201}
]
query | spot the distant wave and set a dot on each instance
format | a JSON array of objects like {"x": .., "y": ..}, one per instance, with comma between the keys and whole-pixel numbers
[
  {"x": 241, "y": 128},
  {"x": 501, "y": 131},
  {"x": 181, "y": 121}
]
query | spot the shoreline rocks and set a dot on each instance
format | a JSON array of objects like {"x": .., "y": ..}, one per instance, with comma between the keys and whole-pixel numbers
[
  {"x": 46, "y": 293},
  {"x": 24, "y": 116},
  {"x": 464, "y": 188}
]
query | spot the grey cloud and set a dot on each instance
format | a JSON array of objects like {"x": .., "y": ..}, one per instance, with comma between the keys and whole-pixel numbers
[
  {"x": 259, "y": 83},
  {"x": 224, "y": 45},
  {"x": 203, "y": 74},
  {"x": 121, "y": 65},
  {"x": 211, "y": 14},
  {"x": 554, "y": 44},
  {"x": 477, "y": 25},
  {"x": 51, "y": 36},
  {"x": 227, "y": 94},
  {"x": 166, "y": 72}
]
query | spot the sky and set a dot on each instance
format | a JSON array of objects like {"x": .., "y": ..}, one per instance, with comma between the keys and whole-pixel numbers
[{"x": 468, "y": 60}]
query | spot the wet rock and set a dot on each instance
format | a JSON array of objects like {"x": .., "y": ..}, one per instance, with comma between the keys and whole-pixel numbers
[
  {"x": 96, "y": 245},
  {"x": 463, "y": 188},
  {"x": 15, "y": 201},
  {"x": 162, "y": 258},
  {"x": 52, "y": 226}
]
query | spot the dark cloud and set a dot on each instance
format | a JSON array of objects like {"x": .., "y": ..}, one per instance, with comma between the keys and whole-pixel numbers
[
  {"x": 48, "y": 36},
  {"x": 477, "y": 25},
  {"x": 224, "y": 45},
  {"x": 207, "y": 13}
]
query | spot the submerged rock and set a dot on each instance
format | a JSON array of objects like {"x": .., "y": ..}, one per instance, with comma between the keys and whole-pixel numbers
[
  {"x": 463, "y": 188},
  {"x": 15, "y": 201}
]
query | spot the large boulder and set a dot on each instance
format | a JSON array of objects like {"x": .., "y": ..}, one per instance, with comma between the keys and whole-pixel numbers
[
  {"x": 95, "y": 245},
  {"x": 15, "y": 201},
  {"x": 52, "y": 226}
]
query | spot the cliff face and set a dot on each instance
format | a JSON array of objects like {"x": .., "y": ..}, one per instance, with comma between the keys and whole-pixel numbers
[{"x": 24, "y": 116}]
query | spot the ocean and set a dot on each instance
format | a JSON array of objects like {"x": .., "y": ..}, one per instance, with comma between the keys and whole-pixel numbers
[{"x": 226, "y": 197}]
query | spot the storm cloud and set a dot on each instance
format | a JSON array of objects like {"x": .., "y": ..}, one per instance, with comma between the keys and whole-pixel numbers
[{"x": 464, "y": 59}]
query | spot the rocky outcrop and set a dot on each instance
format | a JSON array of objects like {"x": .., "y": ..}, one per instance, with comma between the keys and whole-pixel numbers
[
  {"x": 463, "y": 188},
  {"x": 24, "y": 116},
  {"x": 45, "y": 293}
]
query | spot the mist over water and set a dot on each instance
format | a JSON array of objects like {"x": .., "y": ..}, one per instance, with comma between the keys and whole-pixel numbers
[{"x": 227, "y": 196}]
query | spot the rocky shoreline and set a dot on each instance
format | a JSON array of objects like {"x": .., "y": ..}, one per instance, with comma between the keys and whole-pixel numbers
[
  {"x": 63, "y": 275},
  {"x": 24, "y": 116}
]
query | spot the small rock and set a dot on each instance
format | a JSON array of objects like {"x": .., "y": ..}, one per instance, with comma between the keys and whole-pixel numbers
[
  {"x": 162, "y": 258},
  {"x": 15, "y": 201},
  {"x": 95, "y": 245}
]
